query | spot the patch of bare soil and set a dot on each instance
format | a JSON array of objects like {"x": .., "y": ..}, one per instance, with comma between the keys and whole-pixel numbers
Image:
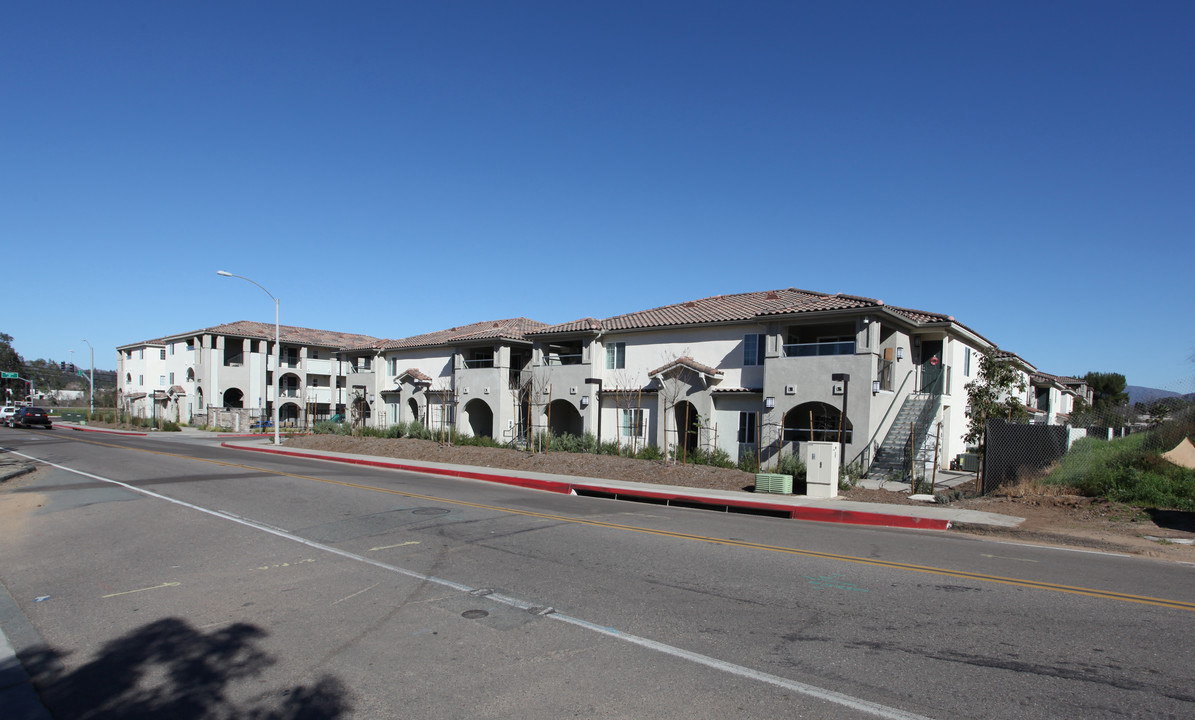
[
  {"x": 1067, "y": 520},
  {"x": 607, "y": 467}
]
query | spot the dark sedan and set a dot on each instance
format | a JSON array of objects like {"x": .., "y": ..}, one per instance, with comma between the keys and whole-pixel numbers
[{"x": 27, "y": 416}]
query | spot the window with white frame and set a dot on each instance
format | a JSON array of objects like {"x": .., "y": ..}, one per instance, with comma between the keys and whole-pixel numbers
[
  {"x": 162, "y": 354},
  {"x": 616, "y": 356},
  {"x": 393, "y": 362},
  {"x": 753, "y": 349},
  {"x": 141, "y": 380},
  {"x": 141, "y": 354},
  {"x": 748, "y": 421},
  {"x": 172, "y": 349},
  {"x": 631, "y": 422},
  {"x": 967, "y": 362},
  {"x": 171, "y": 378},
  {"x": 161, "y": 381}
]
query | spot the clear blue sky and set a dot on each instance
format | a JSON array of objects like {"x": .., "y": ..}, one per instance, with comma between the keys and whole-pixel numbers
[{"x": 395, "y": 168}]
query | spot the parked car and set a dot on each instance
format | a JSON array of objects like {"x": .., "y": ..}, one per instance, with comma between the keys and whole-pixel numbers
[
  {"x": 6, "y": 413},
  {"x": 27, "y": 416}
]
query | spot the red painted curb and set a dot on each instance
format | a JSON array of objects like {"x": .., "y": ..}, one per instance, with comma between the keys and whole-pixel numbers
[
  {"x": 263, "y": 436},
  {"x": 849, "y": 517},
  {"x": 551, "y": 486}
]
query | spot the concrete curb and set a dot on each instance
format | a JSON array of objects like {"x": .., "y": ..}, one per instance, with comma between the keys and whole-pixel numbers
[
  {"x": 103, "y": 431},
  {"x": 634, "y": 491}
]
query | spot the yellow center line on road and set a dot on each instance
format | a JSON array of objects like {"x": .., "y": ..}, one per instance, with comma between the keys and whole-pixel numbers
[{"x": 960, "y": 574}]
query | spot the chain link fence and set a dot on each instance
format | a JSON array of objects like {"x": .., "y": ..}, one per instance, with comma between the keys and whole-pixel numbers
[{"x": 1099, "y": 452}]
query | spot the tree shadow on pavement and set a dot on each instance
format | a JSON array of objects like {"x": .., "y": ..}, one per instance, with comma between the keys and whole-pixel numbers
[{"x": 168, "y": 669}]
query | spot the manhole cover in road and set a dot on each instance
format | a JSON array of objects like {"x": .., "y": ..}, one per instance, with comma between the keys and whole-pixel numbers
[
  {"x": 429, "y": 511},
  {"x": 474, "y": 614}
]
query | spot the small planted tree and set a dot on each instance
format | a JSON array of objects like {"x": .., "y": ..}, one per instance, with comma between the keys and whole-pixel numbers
[{"x": 995, "y": 393}]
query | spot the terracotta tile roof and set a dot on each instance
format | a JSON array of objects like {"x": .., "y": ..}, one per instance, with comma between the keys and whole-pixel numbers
[
  {"x": 177, "y": 390},
  {"x": 739, "y": 307},
  {"x": 1040, "y": 378},
  {"x": 415, "y": 375},
  {"x": 583, "y": 325},
  {"x": 510, "y": 329},
  {"x": 921, "y": 316},
  {"x": 738, "y": 390},
  {"x": 689, "y": 363},
  {"x": 719, "y": 308},
  {"x": 1012, "y": 356},
  {"x": 825, "y": 302},
  {"x": 265, "y": 331}
]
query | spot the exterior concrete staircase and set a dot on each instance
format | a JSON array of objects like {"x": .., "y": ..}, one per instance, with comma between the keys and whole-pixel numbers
[{"x": 892, "y": 460}]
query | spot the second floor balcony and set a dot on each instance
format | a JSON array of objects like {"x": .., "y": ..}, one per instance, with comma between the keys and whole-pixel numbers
[
  {"x": 562, "y": 358},
  {"x": 819, "y": 349}
]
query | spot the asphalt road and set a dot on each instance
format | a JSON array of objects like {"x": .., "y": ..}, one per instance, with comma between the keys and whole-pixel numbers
[{"x": 167, "y": 577}]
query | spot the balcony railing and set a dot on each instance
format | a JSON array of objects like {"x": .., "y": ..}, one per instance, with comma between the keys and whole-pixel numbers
[
  {"x": 289, "y": 392},
  {"x": 558, "y": 359},
  {"x": 480, "y": 363},
  {"x": 846, "y": 347}
]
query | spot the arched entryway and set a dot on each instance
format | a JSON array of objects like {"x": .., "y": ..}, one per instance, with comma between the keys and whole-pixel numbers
[
  {"x": 234, "y": 398},
  {"x": 480, "y": 418},
  {"x": 564, "y": 419},
  {"x": 687, "y": 423},
  {"x": 413, "y": 405},
  {"x": 288, "y": 413},
  {"x": 815, "y": 421}
]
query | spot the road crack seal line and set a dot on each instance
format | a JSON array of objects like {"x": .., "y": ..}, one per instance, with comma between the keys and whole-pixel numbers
[{"x": 546, "y": 612}]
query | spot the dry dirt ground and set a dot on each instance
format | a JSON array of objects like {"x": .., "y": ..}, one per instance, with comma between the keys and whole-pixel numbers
[{"x": 1050, "y": 518}]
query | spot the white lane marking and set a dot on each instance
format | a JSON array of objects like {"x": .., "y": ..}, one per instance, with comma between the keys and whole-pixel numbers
[
  {"x": 1066, "y": 549},
  {"x": 882, "y": 711},
  {"x": 130, "y": 592},
  {"x": 401, "y": 544}
]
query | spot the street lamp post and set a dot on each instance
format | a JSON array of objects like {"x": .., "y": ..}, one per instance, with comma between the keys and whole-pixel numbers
[
  {"x": 91, "y": 381},
  {"x": 277, "y": 352}
]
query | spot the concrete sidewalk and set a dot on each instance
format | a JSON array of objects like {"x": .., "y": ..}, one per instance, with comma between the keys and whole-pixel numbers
[{"x": 797, "y": 507}]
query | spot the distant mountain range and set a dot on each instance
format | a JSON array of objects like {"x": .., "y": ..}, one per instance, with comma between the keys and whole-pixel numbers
[{"x": 1146, "y": 394}]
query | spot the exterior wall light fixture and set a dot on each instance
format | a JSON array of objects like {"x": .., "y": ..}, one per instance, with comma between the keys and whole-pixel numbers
[{"x": 769, "y": 403}]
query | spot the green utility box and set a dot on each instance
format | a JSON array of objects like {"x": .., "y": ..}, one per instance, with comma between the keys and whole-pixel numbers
[
  {"x": 774, "y": 483},
  {"x": 968, "y": 462}
]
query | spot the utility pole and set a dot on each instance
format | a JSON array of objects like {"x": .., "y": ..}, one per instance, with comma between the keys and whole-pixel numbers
[{"x": 91, "y": 380}]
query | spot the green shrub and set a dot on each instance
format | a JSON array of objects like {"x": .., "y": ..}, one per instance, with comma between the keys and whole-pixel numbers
[
  {"x": 649, "y": 452},
  {"x": 749, "y": 463},
  {"x": 477, "y": 441},
  {"x": 327, "y": 427},
  {"x": 1130, "y": 469},
  {"x": 791, "y": 465},
  {"x": 611, "y": 447}
]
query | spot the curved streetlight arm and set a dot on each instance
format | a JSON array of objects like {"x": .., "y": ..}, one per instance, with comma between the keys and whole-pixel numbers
[{"x": 277, "y": 352}]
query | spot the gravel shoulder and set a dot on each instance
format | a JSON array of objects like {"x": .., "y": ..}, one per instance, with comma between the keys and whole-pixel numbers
[{"x": 1050, "y": 519}]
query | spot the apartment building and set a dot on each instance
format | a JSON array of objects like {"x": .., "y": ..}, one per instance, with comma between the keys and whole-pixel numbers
[
  {"x": 749, "y": 374},
  {"x": 231, "y": 375},
  {"x": 760, "y": 372}
]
